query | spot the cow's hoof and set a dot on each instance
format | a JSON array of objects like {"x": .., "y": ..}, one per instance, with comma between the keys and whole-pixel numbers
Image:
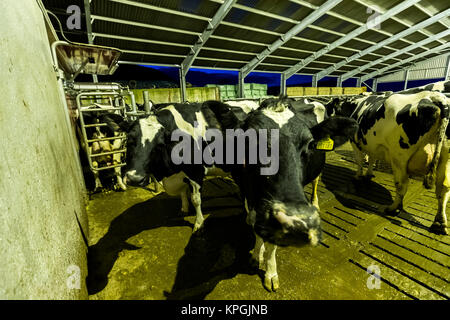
[
  {"x": 271, "y": 283},
  {"x": 392, "y": 212},
  {"x": 198, "y": 230},
  {"x": 98, "y": 190},
  {"x": 439, "y": 228},
  {"x": 119, "y": 187}
]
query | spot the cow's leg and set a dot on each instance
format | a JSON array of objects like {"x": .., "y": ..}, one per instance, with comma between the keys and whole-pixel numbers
[
  {"x": 98, "y": 183},
  {"x": 271, "y": 276},
  {"x": 314, "y": 197},
  {"x": 197, "y": 203},
  {"x": 359, "y": 158},
  {"x": 120, "y": 183},
  {"x": 184, "y": 201},
  {"x": 369, "y": 173},
  {"x": 258, "y": 252},
  {"x": 439, "y": 225},
  {"x": 401, "y": 180}
]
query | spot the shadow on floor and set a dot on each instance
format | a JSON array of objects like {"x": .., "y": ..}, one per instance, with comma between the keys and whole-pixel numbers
[
  {"x": 341, "y": 182},
  {"x": 221, "y": 251},
  {"x": 102, "y": 256},
  {"x": 365, "y": 195}
]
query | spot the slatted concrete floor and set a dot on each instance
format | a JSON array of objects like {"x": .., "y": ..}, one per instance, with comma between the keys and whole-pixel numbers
[{"x": 141, "y": 249}]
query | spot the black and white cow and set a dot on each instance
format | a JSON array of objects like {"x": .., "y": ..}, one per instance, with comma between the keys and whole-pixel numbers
[
  {"x": 276, "y": 203},
  {"x": 150, "y": 146},
  {"x": 409, "y": 131},
  {"x": 441, "y": 86},
  {"x": 277, "y": 207}
]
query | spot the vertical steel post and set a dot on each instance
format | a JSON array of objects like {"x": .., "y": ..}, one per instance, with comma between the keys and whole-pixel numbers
[
  {"x": 283, "y": 89},
  {"x": 182, "y": 74},
  {"x": 406, "y": 79}
]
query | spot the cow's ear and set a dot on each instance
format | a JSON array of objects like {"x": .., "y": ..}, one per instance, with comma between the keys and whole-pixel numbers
[{"x": 333, "y": 132}]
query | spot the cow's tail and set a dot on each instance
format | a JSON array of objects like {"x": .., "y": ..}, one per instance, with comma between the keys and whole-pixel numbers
[{"x": 444, "y": 105}]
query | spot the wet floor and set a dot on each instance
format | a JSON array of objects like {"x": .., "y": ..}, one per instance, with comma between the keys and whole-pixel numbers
[{"x": 141, "y": 248}]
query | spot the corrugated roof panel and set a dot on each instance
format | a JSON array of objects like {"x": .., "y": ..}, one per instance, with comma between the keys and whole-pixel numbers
[
  {"x": 258, "y": 21},
  {"x": 144, "y": 33},
  {"x": 137, "y": 46},
  {"x": 133, "y": 13},
  {"x": 318, "y": 35},
  {"x": 151, "y": 59},
  {"x": 334, "y": 24},
  {"x": 198, "y": 7},
  {"x": 237, "y": 33},
  {"x": 305, "y": 45},
  {"x": 291, "y": 54},
  {"x": 436, "y": 28},
  {"x": 218, "y": 64},
  {"x": 412, "y": 15},
  {"x": 373, "y": 36},
  {"x": 435, "y": 6},
  {"x": 225, "y": 55}
]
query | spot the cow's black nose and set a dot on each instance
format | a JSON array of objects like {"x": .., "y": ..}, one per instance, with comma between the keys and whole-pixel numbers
[{"x": 133, "y": 178}]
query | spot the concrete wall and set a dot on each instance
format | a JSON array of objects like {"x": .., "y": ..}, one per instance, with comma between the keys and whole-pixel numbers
[{"x": 41, "y": 188}]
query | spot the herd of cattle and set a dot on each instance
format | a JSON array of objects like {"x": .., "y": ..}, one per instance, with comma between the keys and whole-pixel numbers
[{"x": 408, "y": 129}]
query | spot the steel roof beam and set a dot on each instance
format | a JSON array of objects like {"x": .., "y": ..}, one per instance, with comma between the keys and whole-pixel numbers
[
  {"x": 381, "y": 44},
  {"x": 369, "y": 25},
  {"x": 389, "y": 56},
  {"x": 395, "y": 65},
  {"x": 161, "y": 9},
  {"x": 425, "y": 33},
  {"x": 211, "y": 27},
  {"x": 443, "y": 22},
  {"x": 288, "y": 35},
  {"x": 240, "y": 26},
  {"x": 295, "y": 22},
  {"x": 347, "y": 19},
  {"x": 150, "y": 26},
  {"x": 200, "y": 67},
  {"x": 193, "y": 16}
]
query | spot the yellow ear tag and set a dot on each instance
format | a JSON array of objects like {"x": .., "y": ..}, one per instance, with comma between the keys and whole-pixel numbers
[{"x": 325, "y": 144}]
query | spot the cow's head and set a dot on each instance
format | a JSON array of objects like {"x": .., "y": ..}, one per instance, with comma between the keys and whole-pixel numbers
[
  {"x": 145, "y": 148},
  {"x": 278, "y": 208},
  {"x": 342, "y": 106}
]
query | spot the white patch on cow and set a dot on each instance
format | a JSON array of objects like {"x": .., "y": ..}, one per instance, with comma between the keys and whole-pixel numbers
[
  {"x": 414, "y": 100},
  {"x": 246, "y": 105},
  {"x": 281, "y": 118},
  {"x": 149, "y": 128},
  {"x": 183, "y": 125},
  {"x": 439, "y": 86},
  {"x": 319, "y": 111}
]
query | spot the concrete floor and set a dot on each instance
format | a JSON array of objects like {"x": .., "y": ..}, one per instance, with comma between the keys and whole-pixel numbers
[{"x": 140, "y": 248}]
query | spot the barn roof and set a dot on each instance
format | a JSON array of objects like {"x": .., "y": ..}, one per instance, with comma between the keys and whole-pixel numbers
[{"x": 348, "y": 38}]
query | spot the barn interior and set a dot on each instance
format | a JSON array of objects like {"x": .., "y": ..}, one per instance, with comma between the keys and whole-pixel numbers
[{"x": 64, "y": 238}]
